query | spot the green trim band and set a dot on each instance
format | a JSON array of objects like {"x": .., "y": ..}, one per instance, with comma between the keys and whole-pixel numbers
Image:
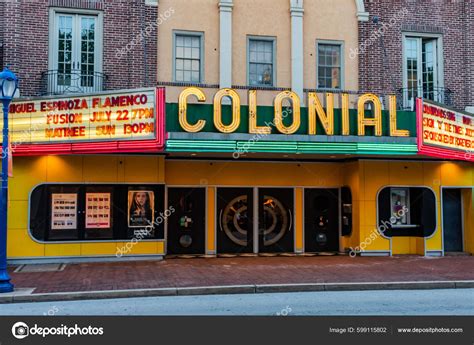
[{"x": 290, "y": 147}]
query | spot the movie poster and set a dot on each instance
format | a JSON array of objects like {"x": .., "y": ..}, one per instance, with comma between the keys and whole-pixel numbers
[
  {"x": 141, "y": 207},
  {"x": 64, "y": 211},
  {"x": 98, "y": 210}
]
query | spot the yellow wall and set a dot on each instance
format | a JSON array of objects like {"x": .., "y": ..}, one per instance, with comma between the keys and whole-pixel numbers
[
  {"x": 352, "y": 180},
  {"x": 188, "y": 172},
  {"x": 262, "y": 18},
  {"x": 200, "y": 16},
  {"x": 337, "y": 22},
  {"x": 468, "y": 202},
  {"x": 31, "y": 171},
  {"x": 374, "y": 175},
  {"x": 365, "y": 177}
]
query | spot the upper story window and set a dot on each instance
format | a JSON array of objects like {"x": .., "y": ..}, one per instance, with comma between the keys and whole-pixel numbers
[
  {"x": 422, "y": 69},
  {"x": 75, "y": 53},
  {"x": 188, "y": 52},
  {"x": 329, "y": 65},
  {"x": 261, "y": 61}
]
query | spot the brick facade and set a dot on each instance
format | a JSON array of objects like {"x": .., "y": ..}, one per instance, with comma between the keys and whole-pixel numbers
[
  {"x": 453, "y": 19},
  {"x": 129, "y": 40}
]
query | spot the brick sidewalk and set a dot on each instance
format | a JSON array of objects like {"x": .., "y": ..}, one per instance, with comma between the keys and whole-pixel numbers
[{"x": 241, "y": 271}]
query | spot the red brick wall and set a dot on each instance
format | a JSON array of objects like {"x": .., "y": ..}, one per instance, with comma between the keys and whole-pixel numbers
[
  {"x": 454, "y": 19},
  {"x": 26, "y": 38}
]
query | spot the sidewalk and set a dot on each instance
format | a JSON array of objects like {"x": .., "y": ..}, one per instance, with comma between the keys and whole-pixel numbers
[{"x": 257, "y": 274}]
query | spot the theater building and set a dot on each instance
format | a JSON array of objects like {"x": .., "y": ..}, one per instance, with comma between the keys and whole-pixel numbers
[{"x": 259, "y": 135}]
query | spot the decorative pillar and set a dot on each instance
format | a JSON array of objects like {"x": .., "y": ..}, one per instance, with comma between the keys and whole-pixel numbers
[
  {"x": 297, "y": 73},
  {"x": 362, "y": 15},
  {"x": 225, "y": 44}
]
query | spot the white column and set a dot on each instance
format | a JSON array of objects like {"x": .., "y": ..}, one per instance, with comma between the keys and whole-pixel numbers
[
  {"x": 297, "y": 73},
  {"x": 225, "y": 43},
  {"x": 362, "y": 15}
]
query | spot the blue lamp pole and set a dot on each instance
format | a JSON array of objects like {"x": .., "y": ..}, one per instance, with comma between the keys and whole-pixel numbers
[{"x": 8, "y": 87}]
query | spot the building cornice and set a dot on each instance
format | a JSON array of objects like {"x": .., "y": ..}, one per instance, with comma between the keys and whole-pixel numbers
[{"x": 226, "y": 5}]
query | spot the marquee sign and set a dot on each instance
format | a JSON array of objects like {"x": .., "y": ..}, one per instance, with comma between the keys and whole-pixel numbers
[
  {"x": 314, "y": 116},
  {"x": 443, "y": 132},
  {"x": 122, "y": 121}
]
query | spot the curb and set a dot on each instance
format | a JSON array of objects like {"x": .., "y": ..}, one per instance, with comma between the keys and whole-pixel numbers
[{"x": 236, "y": 289}]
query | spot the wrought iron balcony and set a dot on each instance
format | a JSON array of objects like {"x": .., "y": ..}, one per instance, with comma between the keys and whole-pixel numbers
[
  {"x": 54, "y": 82},
  {"x": 407, "y": 96}
]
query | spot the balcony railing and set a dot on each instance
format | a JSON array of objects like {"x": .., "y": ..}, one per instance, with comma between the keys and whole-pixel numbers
[
  {"x": 407, "y": 96},
  {"x": 54, "y": 82}
]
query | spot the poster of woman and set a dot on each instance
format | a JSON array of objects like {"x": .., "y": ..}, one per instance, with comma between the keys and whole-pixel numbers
[{"x": 141, "y": 207}]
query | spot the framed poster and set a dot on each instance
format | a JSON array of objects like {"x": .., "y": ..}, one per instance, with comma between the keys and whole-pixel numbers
[
  {"x": 98, "y": 210},
  {"x": 141, "y": 208},
  {"x": 64, "y": 211}
]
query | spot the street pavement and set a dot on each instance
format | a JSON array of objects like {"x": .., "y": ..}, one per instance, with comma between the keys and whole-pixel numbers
[
  {"x": 181, "y": 273},
  {"x": 349, "y": 303}
]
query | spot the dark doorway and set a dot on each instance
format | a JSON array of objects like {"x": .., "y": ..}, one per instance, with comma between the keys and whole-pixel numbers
[
  {"x": 234, "y": 220},
  {"x": 452, "y": 220},
  {"x": 186, "y": 224},
  {"x": 321, "y": 220},
  {"x": 275, "y": 220}
]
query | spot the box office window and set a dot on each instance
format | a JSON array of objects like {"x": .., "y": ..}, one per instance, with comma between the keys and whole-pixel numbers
[
  {"x": 399, "y": 205},
  {"x": 406, "y": 211},
  {"x": 96, "y": 212}
]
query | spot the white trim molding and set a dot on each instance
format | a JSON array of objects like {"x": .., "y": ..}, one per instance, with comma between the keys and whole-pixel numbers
[
  {"x": 470, "y": 109},
  {"x": 297, "y": 72},
  {"x": 225, "y": 43},
  {"x": 362, "y": 15}
]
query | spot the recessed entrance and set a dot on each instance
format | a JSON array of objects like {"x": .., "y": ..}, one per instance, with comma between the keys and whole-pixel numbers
[
  {"x": 238, "y": 232},
  {"x": 321, "y": 220},
  {"x": 453, "y": 220}
]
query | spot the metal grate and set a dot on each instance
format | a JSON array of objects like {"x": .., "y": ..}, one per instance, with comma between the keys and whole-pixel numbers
[{"x": 40, "y": 268}]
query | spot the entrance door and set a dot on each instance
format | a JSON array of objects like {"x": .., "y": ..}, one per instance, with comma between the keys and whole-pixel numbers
[
  {"x": 186, "y": 224},
  {"x": 275, "y": 220},
  {"x": 452, "y": 220},
  {"x": 76, "y": 54},
  {"x": 321, "y": 220},
  {"x": 235, "y": 220},
  {"x": 421, "y": 69}
]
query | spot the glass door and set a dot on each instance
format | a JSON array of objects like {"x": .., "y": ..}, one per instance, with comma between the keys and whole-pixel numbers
[
  {"x": 75, "y": 55},
  {"x": 412, "y": 87},
  {"x": 421, "y": 71},
  {"x": 429, "y": 70},
  {"x": 275, "y": 220},
  {"x": 235, "y": 233},
  {"x": 86, "y": 59},
  {"x": 321, "y": 220}
]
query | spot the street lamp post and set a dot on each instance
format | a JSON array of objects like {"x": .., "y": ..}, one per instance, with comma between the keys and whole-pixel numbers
[{"x": 8, "y": 87}]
